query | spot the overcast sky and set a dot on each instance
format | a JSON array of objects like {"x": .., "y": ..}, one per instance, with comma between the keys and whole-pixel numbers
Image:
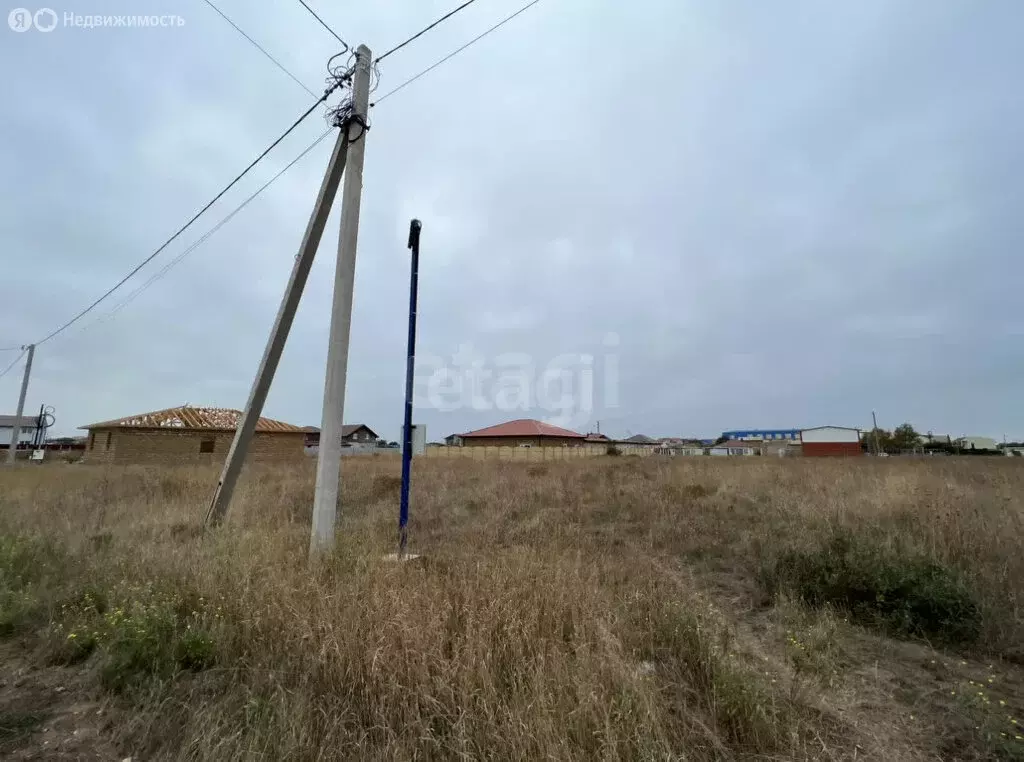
[{"x": 748, "y": 214}]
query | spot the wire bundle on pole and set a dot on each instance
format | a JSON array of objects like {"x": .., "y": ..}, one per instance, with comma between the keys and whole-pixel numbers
[{"x": 340, "y": 76}]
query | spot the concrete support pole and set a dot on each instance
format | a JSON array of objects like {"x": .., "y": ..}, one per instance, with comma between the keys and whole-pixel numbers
[
  {"x": 279, "y": 334},
  {"x": 12, "y": 451},
  {"x": 328, "y": 467}
]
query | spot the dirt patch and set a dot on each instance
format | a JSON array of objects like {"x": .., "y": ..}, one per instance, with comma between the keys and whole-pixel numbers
[{"x": 48, "y": 713}]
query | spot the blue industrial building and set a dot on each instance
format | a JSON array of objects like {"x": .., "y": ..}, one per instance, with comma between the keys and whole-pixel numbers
[{"x": 762, "y": 434}]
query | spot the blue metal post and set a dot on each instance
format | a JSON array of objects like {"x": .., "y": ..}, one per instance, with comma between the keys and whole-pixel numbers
[{"x": 403, "y": 513}]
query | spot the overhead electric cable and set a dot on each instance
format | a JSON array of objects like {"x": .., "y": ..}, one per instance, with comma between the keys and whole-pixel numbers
[
  {"x": 325, "y": 26},
  {"x": 423, "y": 31},
  {"x": 16, "y": 361},
  {"x": 259, "y": 47},
  {"x": 195, "y": 217},
  {"x": 196, "y": 244},
  {"x": 454, "y": 52}
]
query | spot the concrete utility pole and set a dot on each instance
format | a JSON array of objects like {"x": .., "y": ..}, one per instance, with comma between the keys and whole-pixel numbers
[
  {"x": 874, "y": 431},
  {"x": 279, "y": 333},
  {"x": 328, "y": 466},
  {"x": 12, "y": 451}
]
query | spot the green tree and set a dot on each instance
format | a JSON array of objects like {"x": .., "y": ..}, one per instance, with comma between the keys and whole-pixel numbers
[
  {"x": 905, "y": 438},
  {"x": 882, "y": 437}
]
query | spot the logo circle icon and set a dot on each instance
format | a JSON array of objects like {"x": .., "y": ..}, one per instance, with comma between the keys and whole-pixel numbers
[
  {"x": 46, "y": 19},
  {"x": 20, "y": 19}
]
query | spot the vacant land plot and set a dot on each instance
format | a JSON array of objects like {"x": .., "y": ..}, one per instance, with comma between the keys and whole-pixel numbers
[{"x": 613, "y": 608}]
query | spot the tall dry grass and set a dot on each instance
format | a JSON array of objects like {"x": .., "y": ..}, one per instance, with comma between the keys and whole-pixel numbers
[{"x": 569, "y": 611}]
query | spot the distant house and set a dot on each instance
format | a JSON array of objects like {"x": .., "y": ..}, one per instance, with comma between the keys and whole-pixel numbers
[
  {"x": 688, "y": 447},
  {"x": 351, "y": 434},
  {"x": 66, "y": 443},
  {"x": 779, "y": 447},
  {"x": 358, "y": 433},
  {"x": 679, "y": 446},
  {"x": 312, "y": 436},
  {"x": 598, "y": 438},
  {"x": 734, "y": 447},
  {"x": 523, "y": 433},
  {"x": 640, "y": 439},
  {"x": 29, "y": 430},
  {"x": 977, "y": 443},
  {"x": 453, "y": 440},
  {"x": 187, "y": 434}
]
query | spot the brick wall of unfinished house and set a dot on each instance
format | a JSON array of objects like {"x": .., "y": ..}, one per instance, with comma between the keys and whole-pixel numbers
[{"x": 170, "y": 447}]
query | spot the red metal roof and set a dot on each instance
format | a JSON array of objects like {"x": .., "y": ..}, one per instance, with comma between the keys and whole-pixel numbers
[
  {"x": 195, "y": 418},
  {"x": 524, "y": 427}
]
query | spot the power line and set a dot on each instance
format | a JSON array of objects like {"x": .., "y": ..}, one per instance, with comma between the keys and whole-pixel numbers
[
  {"x": 16, "y": 361},
  {"x": 324, "y": 25},
  {"x": 195, "y": 217},
  {"x": 259, "y": 47},
  {"x": 157, "y": 276},
  {"x": 423, "y": 31},
  {"x": 454, "y": 52}
]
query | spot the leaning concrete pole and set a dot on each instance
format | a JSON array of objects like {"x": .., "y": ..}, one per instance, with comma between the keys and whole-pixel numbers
[
  {"x": 279, "y": 333},
  {"x": 12, "y": 451},
  {"x": 328, "y": 466}
]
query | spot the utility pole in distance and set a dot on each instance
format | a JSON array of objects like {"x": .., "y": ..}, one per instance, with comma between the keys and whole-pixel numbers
[
  {"x": 328, "y": 466},
  {"x": 874, "y": 431},
  {"x": 279, "y": 333},
  {"x": 12, "y": 451}
]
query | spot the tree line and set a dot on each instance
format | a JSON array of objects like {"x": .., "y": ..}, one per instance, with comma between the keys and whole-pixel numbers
[{"x": 905, "y": 438}]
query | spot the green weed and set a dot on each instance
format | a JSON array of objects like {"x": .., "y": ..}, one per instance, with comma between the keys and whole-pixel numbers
[
  {"x": 904, "y": 595},
  {"x": 138, "y": 632},
  {"x": 26, "y": 567}
]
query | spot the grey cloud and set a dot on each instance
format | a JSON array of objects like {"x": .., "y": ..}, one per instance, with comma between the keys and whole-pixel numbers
[{"x": 789, "y": 213}]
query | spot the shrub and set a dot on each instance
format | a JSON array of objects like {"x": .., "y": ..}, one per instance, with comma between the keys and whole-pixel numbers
[
  {"x": 136, "y": 632},
  {"x": 613, "y": 450},
  {"x": 908, "y": 596},
  {"x": 195, "y": 649}
]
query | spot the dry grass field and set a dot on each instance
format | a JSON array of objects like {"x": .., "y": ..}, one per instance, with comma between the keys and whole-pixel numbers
[{"x": 613, "y": 608}]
